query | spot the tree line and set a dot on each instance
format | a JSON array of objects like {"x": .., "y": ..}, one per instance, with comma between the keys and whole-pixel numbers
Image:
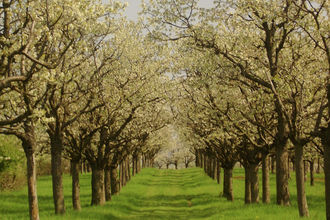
[
  {"x": 250, "y": 79},
  {"x": 254, "y": 79},
  {"x": 82, "y": 83}
]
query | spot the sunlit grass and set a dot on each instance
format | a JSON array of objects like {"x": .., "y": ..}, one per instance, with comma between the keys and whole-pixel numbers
[{"x": 165, "y": 194}]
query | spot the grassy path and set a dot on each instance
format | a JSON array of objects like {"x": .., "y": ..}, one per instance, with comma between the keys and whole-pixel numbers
[
  {"x": 171, "y": 195},
  {"x": 164, "y": 194}
]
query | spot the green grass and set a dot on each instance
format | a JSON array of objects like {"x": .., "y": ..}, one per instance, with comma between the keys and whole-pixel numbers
[{"x": 165, "y": 194}]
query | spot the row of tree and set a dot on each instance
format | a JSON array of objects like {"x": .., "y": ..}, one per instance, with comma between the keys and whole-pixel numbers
[
  {"x": 79, "y": 82},
  {"x": 174, "y": 150},
  {"x": 254, "y": 79},
  {"x": 250, "y": 78}
]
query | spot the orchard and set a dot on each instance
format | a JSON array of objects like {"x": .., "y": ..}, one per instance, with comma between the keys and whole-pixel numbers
[{"x": 242, "y": 84}]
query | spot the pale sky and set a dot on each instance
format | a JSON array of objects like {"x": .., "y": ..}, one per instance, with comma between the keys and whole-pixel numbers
[{"x": 134, "y": 7}]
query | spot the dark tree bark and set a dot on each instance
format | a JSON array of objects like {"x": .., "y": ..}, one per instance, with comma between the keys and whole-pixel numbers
[
  {"x": 138, "y": 163},
  {"x": 202, "y": 162},
  {"x": 124, "y": 172},
  {"x": 56, "y": 165},
  {"x": 218, "y": 171},
  {"x": 247, "y": 195},
  {"x": 327, "y": 179},
  {"x": 121, "y": 174},
  {"x": 282, "y": 181},
  {"x": 215, "y": 169},
  {"x": 318, "y": 169},
  {"x": 254, "y": 180},
  {"x": 32, "y": 189},
  {"x": 300, "y": 182},
  {"x": 273, "y": 164},
  {"x": 107, "y": 183},
  {"x": 311, "y": 168},
  {"x": 114, "y": 180},
  {"x": 144, "y": 161},
  {"x": 209, "y": 166},
  {"x": 326, "y": 143},
  {"x": 265, "y": 179},
  {"x": 133, "y": 166},
  {"x": 29, "y": 146},
  {"x": 88, "y": 167},
  {"x": 210, "y": 169},
  {"x": 82, "y": 164},
  {"x": 98, "y": 195},
  {"x": 228, "y": 184},
  {"x": 197, "y": 158},
  {"x": 251, "y": 183},
  {"x": 75, "y": 184},
  {"x": 289, "y": 174},
  {"x": 205, "y": 162},
  {"x": 305, "y": 170},
  {"x": 325, "y": 138},
  {"x": 128, "y": 169}
]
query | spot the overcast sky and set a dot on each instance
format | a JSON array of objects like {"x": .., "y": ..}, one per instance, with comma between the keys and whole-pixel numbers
[{"x": 134, "y": 7}]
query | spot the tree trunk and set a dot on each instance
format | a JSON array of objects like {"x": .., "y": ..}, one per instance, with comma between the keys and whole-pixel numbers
[
  {"x": 197, "y": 158},
  {"x": 128, "y": 169},
  {"x": 289, "y": 174},
  {"x": 209, "y": 169},
  {"x": 133, "y": 166},
  {"x": 215, "y": 169},
  {"x": 98, "y": 195},
  {"x": 228, "y": 184},
  {"x": 147, "y": 162},
  {"x": 75, "y": 185},
  {"x": 205, "y": 163},
  {"x": 318, "y": 169},
  {"x": 247, "y": 197},
  {"x": 138, "y": 163},
  {"x": 273, "y": 164},
  {"x": 254, "y": 180},
  {"x": 301, "y": 196},
  {"x": 29, "y": 146},
  {"x": 202, "y": 160},
  {"x": 326, "y": 144},
  {"x": 88, "y": 167},
  {"x": 114, "y": 180},
  {"x": 218, "y": 171},
  {"x": 107, "y": 183},
  {"x": 81, "y": 166},
  {"x": 143, "y": 161},
  {"x": 56, "y": 164},
  {"x": 327, "y": 179},
  {"x": 265, "y": 179},
  {"x": 282, "y": 182},
  {"x": 121, "y": 174},
  {"x": 124, "y": 172},
  {"x": 311, "y": 168},
  {"x": 305, "y": 170},
  {"x": 212, "y": 167}
]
